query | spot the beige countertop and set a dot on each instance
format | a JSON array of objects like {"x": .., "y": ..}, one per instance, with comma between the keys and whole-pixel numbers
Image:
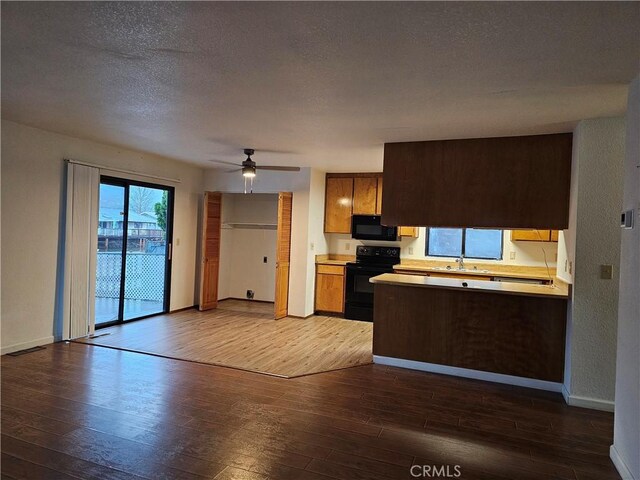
[
  {"x": 558, "y": 290},
  {"x": 332, "y": 262},
  {"x": 334, "y": 259},
  {"x": 477, "y": 269}
]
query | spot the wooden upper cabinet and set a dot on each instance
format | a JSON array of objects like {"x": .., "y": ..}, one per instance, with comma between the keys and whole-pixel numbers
[
  {"x": 507, "y": 182},
  {"x": 338, "y": 205},
  {"x": 365, "y": 191},
  {"x": 531, "y": 235},
  {"x": 379, "y": 197},
  {"x": 408, "y": 232}
]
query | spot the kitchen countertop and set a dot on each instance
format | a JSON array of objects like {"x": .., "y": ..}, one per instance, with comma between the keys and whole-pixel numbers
[
  {"x": 483, "y": 270},
  {"x": 328, "y": 259},
  {"x": 558, "y": 290},
  {"x": 332, "y": 262}
]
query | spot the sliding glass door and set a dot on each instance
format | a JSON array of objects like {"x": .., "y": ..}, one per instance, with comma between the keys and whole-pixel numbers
[{"x": 134, "y": 250}]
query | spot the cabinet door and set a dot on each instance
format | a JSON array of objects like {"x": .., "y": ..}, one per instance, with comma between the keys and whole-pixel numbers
[
  {"x": 338, "y": 202},
  {"x": 329, "y": 293},
  {"x": 365, "y": 195},
  {"x": 531, "y": 235},
  {"x": 408, "y": 232},
  {"x": 379, "y": 197}
]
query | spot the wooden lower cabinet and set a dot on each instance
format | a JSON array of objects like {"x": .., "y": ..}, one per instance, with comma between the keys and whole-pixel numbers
[{"x": 330, "y": 284}]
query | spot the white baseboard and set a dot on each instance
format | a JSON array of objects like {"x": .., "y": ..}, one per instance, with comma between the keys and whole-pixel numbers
[
  {"x": 23, "y": 346},
  {"x": 468, "y": 373},
  {"x": 622, "y": 468},
  {"x": 587, "y": 402}
]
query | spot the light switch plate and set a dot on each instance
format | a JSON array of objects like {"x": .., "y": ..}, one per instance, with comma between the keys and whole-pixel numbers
[
  {"x": 410, "y": 250},
  {"x": 512, "y": 255},
  {"x": 606, "y": 272}
]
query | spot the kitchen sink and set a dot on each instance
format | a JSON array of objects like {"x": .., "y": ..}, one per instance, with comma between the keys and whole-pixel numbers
[{"x": 454, "y": 270}]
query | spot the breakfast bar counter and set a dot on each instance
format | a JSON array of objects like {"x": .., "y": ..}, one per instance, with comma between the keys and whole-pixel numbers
[
  {"x": 498, "y": 331},
  {"x": 558, "y": 289}
]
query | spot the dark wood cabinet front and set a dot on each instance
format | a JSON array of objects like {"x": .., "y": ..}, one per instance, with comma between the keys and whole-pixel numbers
[{"x": 507, "y": 182}]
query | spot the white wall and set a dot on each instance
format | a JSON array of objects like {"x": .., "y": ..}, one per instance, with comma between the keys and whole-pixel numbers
[
  {"x": 598, "y": 161},
  {"x": 305, "y": 211},
  {"x": 242, "y": 249},
  {"x": 526, "y": 253},
  {"x": 32, "y": 200},
  {"x": 317, "y": 240},
  {"x": 626, "y": 442}
]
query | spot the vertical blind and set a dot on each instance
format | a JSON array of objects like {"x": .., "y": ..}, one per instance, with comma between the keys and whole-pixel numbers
[{"x": 81, "y": 244}]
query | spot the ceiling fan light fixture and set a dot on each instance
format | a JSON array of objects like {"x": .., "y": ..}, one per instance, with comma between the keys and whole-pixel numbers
[{"x": 248, "y": 171}]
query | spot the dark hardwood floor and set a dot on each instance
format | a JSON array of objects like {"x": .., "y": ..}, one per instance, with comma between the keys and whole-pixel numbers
[{"x": 82, "y": 411}]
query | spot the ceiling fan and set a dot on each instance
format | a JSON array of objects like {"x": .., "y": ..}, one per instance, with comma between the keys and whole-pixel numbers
[{"x": 249, "y": 167}]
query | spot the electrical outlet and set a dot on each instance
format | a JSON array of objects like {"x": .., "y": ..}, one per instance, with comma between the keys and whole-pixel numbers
[
  {"x": 250, "y": 294},
  {"x": 177, "y": 242},
  {"x": 410, "y": 250},
  {"x": 264, "y": 259},
  {"x": 512, "y": 255},
  {"x": 312, "y": 246},
  {"x": 347, "y": 246}
]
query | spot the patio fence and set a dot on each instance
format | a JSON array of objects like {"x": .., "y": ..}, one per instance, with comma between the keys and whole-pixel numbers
[{"x": 144, "y": 276}]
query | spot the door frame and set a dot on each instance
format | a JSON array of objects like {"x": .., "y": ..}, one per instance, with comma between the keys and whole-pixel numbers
[{"x": 126, "y": 183}]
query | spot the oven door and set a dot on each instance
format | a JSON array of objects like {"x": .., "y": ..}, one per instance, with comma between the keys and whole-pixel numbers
[{"x": 358, "y": 288}]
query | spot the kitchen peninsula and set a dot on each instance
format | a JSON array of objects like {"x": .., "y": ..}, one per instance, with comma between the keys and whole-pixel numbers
[{"x": 498, "y": 331}]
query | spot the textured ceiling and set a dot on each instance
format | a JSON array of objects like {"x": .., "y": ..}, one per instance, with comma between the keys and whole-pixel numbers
[{"x": 325, "y": 84}]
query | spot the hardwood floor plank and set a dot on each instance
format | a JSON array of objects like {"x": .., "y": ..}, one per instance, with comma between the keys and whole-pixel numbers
[
  {"x": 61, "y": 462},
  {"x": 22, "y": 469}
]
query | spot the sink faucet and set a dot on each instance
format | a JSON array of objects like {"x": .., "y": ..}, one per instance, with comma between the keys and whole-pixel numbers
[{"x": 460, "y": 262}]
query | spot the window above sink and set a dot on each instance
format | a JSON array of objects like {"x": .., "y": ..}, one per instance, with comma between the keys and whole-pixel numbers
[{"x": 478, "y": 243}]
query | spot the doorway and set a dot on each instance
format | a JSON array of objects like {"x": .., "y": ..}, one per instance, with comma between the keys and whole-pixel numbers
[
  {"x": 246, "y": 243},
  {"x": 133, "y": 266}
]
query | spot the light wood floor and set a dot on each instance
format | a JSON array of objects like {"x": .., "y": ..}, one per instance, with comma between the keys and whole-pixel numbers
[
  {"x": 74, "y": 411},
  {"x": 243, "y": 335}
]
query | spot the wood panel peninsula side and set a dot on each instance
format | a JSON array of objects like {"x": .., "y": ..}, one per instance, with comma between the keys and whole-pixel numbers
[{"x": 497, "y": 331}]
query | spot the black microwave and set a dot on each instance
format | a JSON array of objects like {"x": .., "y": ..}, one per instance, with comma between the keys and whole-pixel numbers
[{"x": 368, "y": 227}]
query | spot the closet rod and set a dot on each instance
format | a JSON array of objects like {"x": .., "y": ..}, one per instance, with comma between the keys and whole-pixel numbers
[{"x": 121, "y": 170}]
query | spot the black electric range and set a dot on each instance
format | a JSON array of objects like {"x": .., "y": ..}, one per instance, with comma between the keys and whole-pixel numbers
[{"x": 370, "y": 262}]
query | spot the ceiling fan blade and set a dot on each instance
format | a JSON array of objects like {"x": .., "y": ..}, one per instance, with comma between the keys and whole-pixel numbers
[
  {"x": 278, "y": 168},
  {"x": 225, "y": 163}
]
